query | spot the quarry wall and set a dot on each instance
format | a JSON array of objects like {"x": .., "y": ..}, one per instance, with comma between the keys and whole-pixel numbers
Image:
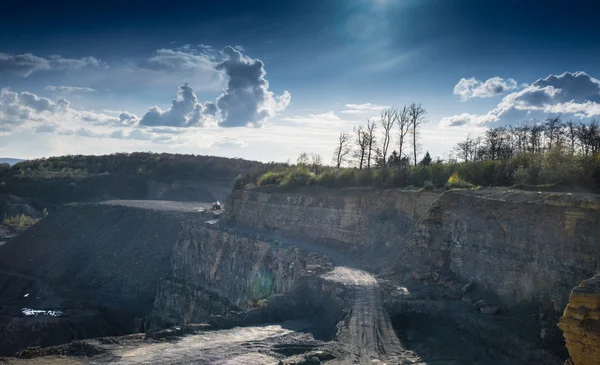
[
  {"x": 355, "y": 217},
  {"x": 521, "y": 246},
  {"x": 214, "y": 270}
]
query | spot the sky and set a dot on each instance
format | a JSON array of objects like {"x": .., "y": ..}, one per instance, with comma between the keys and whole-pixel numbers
[{"x": 267, "y": 80}]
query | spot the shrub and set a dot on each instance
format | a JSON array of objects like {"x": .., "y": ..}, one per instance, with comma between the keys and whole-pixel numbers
[
  {"x": 271, "y": 178},
  {"x": 455, "y": 181},
  {"x": 299, "y": 177},
  {"x": 20, "y": 221}
]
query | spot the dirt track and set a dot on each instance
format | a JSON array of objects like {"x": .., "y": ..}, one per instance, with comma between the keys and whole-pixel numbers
[{"x": 367, "y": 334}]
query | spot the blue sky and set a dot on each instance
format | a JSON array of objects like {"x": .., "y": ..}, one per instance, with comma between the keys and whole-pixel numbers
[{"x": 268, "y": 80}]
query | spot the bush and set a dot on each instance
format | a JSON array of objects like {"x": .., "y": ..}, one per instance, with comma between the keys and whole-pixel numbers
[
  {"x": 299, "y": 177},
  {"x": 455, "y": 181},
  {"x": 20, "y": 221},
  {"x": 272, "y": 178}
]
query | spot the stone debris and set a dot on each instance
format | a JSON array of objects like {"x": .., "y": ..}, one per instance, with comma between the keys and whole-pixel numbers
[
  {"x": 489, "y": 310},
  {"x": 467, "y": 287}
]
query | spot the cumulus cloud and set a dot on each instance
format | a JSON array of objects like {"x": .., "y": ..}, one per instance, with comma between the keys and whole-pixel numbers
[
  {"x": 571, "y": 93},
  {"x": 69, "y": 89},
  {"x": 465, "y": 119},
  {"x": 128, "y": 118},
  {"x": 27, "y": 63},
  {"x": 363, "y": 108},
  {"x": 20, "y": 108},
  {"x": 473, "y": 88},
  {"x": 247, "y": 101},
  {"x": 185, "y": 111}
]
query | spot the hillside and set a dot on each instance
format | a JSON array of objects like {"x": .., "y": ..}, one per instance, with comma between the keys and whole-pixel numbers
[
  {"x": 66, "y": 179},
  {"x": 10, "y": 161}
]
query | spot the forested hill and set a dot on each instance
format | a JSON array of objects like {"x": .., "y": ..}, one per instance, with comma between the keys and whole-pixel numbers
[{"x": 64, "y": 179}]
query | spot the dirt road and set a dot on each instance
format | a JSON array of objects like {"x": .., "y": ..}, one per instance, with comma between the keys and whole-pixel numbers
[{"x": 367, "y": 333}]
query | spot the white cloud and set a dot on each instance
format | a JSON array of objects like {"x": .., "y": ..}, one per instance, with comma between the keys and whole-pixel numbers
[
  {"x": 575, "y": 93},
  {"x": 247, "y": 100},
  {"x": 363, "y": 108},
  {"x": 185, "y": 111},
  {"x": 27, "y": 63},
  {"x": 69, "y": 89},
  {"x": 473, "y": 88},
  {"x": 183, "y": 59}
]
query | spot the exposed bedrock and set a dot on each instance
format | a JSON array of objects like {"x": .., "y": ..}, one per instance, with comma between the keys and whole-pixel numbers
[
  {"x": 521, "y": 247},
  {"x": 215, "y": 271},
  {"x": 581, "y": 322}
]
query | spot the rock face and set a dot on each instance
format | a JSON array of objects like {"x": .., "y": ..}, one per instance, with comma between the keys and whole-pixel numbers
[
  {"x": 581, "y": 322},
  {"x": 214, "y": 271},
  {"x": 355, "y": 217},
  {"x": 520, "y": 246}
]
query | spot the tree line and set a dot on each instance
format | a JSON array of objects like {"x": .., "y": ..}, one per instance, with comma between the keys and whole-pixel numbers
[
  {"x": 532, "y": 137},
  {"x": 365, "y": 146}
]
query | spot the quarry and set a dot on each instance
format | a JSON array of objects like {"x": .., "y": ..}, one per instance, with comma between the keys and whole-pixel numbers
[{"x": 308, "y": 276}]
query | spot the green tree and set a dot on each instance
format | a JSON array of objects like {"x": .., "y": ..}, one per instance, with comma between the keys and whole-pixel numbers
[{"x": 426, "y": 161}]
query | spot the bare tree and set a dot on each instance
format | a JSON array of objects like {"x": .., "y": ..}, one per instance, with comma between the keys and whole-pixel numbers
[
  {"x": 316, "y": 162},
  {"x": 343, "y": 149},
  {"x": 302, "y": 159},
  {"x": 403, "y": 118},
  {"x": 387, "y": 120},
  {"x": 571, "y": 133},
  {"x": 416, "y": 113},
  {"x": 554, "y": 131},
  {"x": 362, "y": 142},
  {"x": 370, "y": 141}
]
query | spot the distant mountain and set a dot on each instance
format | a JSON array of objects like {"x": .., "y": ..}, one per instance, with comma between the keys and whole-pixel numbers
[{"x": 10, "y": 161}]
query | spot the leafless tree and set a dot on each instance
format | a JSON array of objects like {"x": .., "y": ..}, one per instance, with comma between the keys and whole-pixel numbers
[
  {"x": 467, "y": 150},
  {"x": 417, "y": 117},
  {"x": 403, "y": 119},
  {"x": 387, "y": 120},
  {"x": 316, "y": 162},
  {"x": 302, "y": 159},
  {"x": 343, "y": 149},
  {"x": 370, "y": 133},
  {"x": 571, "y": 133},
  {"x": 362, "y": 144},
  {"x": 553, "y": 131},
  {"x": 535, "y": 137}
]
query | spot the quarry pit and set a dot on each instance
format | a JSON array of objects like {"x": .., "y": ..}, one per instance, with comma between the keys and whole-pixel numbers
[{"x": 307, "y": 276}]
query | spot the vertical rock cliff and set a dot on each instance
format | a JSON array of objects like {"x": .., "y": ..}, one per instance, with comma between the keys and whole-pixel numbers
[
  {"x": 357, "y": 218},
  {"x": 214, "y": 270},
  {"x": 581, "y": 322},
  {"x": 520, "y": 246}
]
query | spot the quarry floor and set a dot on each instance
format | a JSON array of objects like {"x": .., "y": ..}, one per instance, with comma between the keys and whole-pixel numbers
[{"x": 366, "y": 335}]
